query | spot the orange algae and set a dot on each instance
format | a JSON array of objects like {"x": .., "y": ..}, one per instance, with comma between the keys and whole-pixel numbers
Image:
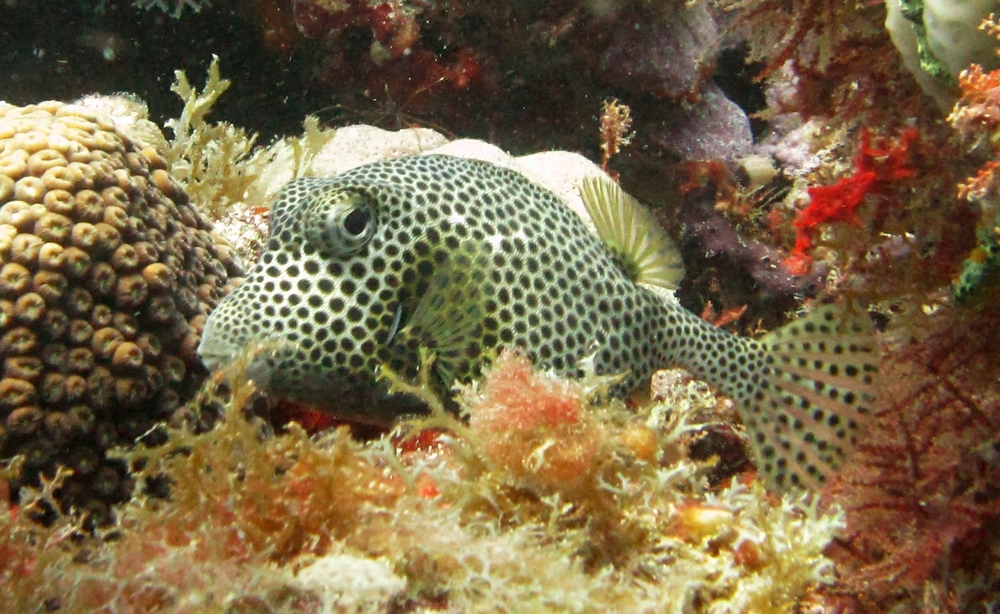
[
  {"x": 238, "y": 506},
  {"x": 976, "y": 117}
]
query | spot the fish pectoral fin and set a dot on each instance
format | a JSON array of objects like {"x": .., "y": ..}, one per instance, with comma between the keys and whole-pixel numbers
[
  {"x": 449, "y": 318},
  {"x": 397, "y": 319},
  {"x": 815, "y": 395},
  {"x": 644, "y": 250}
]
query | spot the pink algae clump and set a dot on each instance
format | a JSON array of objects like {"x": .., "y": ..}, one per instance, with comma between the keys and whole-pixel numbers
[
  {"x": 529, "y": 421},
  {"x": 515, "y": 397}
]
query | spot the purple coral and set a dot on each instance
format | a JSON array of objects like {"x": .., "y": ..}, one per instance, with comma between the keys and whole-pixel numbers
[
  {"x": 669, "y": 53},
  {"x": 713, "y": 128}
]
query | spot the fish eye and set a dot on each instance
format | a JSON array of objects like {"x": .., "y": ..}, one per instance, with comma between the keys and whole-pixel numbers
[
  {"x": 340, "y": 223},
  {"x": 356, "y": 221}
]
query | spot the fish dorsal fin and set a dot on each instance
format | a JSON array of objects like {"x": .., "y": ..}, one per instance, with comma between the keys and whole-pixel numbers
[
  {"x": 448, "y": 319},
  {"x": 816, "y": 396},
  {"x": 641, "y": 246}
]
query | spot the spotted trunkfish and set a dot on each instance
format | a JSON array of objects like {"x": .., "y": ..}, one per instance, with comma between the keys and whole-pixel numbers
[{"x": 463, "y": 257}]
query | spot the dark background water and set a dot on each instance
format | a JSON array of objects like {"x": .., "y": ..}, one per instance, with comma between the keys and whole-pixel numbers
[
  {"x": 543, "y": 72},
  {"x": 57, "y": 50},
  {"x": 536, "y": 90}
]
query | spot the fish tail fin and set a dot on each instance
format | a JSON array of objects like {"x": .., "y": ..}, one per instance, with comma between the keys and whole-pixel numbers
[{"x": 812, "y": 396}]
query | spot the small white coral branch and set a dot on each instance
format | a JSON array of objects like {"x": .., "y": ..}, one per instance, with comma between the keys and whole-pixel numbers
[{"x": 179, "y": 6}]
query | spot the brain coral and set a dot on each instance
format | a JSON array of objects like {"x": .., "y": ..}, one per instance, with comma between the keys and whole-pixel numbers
[{"x": 106, "y": 276}]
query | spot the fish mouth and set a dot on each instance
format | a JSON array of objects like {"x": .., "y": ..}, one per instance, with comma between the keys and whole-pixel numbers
[
  {"x": 216, "y": 355},
  {"x": 216, "y": 361},
  {"x": 367, "y": 405}
]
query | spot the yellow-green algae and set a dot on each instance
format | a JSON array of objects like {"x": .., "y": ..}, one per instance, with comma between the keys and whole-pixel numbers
[{"x": 638, "y": 531}]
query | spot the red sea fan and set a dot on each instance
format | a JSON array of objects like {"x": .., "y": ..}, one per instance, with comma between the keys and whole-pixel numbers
[{"x": 923, "y": 491}]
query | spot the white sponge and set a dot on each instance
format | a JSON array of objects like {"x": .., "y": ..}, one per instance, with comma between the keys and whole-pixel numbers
[{"x": 952, "y": 35}]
